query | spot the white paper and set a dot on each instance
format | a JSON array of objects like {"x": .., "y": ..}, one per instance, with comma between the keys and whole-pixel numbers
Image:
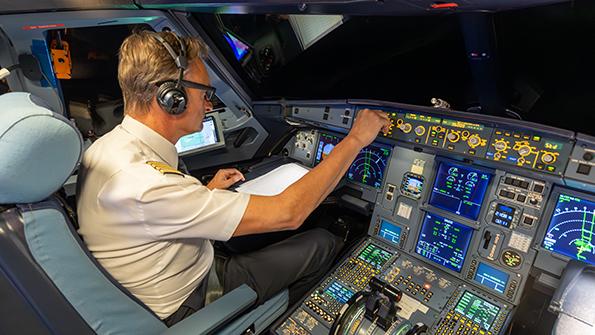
[
  {"x": 275, "y": 181},
  {"x": 409, "y": 306}
]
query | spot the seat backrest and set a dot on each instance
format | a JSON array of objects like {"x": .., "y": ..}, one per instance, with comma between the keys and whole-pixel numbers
[
  {"x": 573, "y": 300},
  {"x": 42, "y": 149}
]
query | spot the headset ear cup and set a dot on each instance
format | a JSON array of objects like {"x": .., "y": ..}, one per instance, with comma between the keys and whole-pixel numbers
[{"x": 171, "y": 98}]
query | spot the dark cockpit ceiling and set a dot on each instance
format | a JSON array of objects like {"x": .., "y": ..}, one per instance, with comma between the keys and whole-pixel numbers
[{"x": 349, "y": 7}]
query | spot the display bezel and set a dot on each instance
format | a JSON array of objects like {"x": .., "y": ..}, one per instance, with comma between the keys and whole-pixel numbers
[
  {"x": 220, "y": 143},
  {"x": 508, "y": 275},
  {"x": 545, "y": 224},
  {"x": 431, "y": 261},
  {"x": 390, "y": 148},
  {"x": 449, "y": 214},
  {"x": 477, "y": 296},
  {"x": 401, "y": 236}
]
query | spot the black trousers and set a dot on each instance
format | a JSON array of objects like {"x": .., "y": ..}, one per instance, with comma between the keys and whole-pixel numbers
[{"x": 296, "y": 263}]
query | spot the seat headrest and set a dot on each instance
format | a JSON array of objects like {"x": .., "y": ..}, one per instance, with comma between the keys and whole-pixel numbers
[{"x": 39, "y": 149}]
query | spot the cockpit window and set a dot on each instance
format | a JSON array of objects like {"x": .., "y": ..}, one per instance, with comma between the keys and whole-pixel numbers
[
  {"x": 540, "y": 67},
  {"x": 338, "y": 57}
]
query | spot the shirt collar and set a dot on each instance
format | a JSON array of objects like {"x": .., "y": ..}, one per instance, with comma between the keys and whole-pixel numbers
[{"x": 162, "y": 147}]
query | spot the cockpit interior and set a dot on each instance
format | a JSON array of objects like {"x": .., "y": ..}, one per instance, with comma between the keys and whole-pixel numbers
[{"x": 473, "y": 214}]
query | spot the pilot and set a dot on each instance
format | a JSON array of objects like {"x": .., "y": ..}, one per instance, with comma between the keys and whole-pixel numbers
[{"x": 150, "y": 225}]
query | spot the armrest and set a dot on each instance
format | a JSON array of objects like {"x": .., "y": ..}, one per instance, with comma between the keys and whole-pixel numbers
[{"x": 215, "y": 314}]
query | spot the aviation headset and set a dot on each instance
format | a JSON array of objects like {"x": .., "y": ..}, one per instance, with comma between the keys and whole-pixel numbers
[{"x": 171, "y": 96}]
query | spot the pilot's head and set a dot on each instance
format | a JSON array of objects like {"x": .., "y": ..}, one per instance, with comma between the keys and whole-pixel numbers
[{"x": 149, "y": 73}]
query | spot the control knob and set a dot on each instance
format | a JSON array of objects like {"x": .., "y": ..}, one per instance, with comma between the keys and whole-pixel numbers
[
  {"x": 453, "y": 137},
  {"x": 474, "y": 141},
  {"x": 524, "y": 150},
  {"x": 548, "y": 158},
  {"x": 500, "y": 145},
  {"x": 406, "y": 127},
  {"x": 420, "y": 130}
]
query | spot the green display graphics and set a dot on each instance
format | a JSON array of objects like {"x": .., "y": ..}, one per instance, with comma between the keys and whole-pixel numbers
[
  {"x": 571, "y": 229},
  {"x": 367, "y": 168},
  {"x": 477, "y": 309},
  {"x": 374, "y": 255}
]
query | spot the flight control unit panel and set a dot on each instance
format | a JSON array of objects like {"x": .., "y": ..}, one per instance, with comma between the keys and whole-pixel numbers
[{"x": 463, "y": 211}]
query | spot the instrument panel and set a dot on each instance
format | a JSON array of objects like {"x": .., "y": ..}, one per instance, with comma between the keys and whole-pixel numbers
[{"x": 465, "y": 208}]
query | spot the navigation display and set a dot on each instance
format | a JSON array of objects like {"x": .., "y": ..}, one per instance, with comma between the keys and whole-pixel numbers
[
  {"x": 367, "y": 168},
  {"x": 339, "y": 292},
  {"x": 477, "y": 309},
  {"x": 459, "y": 189},
  {"x": 374, "y": 256},
  {"x": 571, "y": 228},
  {"x": 389, "y": 231},
  {"x": 444, "y": 241},
  {"x": 206, "y": 139},
  {"x": 491, "y": 277}
]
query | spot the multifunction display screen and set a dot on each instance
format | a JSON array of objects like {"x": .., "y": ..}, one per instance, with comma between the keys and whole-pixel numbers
[
  {"x": 367, "y": 168},
  {"x": 339, "y": 292},
  {"x": 491, "y": 277},
  {"x": 389, "y": 231},
  {"x": 197, "y": 141},
  {"x": 503, "y": 215},
  {"x": 444, "y": 241},
  {"x": 477, "y": 309},
  {"x": 459, "y": 189},
  {"x": 571, "y": 229},
  {"x": 374, "y": 255}
]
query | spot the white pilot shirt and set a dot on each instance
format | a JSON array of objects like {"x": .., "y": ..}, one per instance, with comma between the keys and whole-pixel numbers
[{"x": 150, "y": 230}]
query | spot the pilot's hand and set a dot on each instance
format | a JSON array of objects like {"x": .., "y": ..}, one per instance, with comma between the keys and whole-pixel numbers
[
  {"x": 224, "y": 178},
  {"x": 368, "y": 124}
]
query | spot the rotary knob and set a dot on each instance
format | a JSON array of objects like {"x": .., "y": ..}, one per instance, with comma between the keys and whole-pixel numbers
[
  {"x": 453, "y": 137},
  {"x": 474, "y": 141},
  {"x": 406, "y": 128},
  {"x": 548, "y": 158},
  {"x": 524, "y": 150},
  {"x": 420, "y": 130},
  {"x": 500, "y": 145}
]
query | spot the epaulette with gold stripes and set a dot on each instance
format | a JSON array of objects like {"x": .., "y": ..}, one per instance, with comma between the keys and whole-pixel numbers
[{"x": 164, "y": 168}]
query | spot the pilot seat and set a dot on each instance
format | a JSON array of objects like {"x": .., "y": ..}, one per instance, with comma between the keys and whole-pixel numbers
[{"x": 49, "y": 282}]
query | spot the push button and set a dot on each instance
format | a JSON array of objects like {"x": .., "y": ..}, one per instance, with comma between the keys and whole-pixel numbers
[{"x": 583, "y": 169}]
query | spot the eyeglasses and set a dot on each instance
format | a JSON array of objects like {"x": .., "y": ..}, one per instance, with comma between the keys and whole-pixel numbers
[{"x": 209, "y": 90}]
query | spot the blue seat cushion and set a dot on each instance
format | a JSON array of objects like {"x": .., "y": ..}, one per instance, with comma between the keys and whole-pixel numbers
[{"x": 102, "y": 305}]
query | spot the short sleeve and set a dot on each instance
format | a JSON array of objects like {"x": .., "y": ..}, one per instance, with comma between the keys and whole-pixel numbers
[{"x": 173, "y": 206}]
